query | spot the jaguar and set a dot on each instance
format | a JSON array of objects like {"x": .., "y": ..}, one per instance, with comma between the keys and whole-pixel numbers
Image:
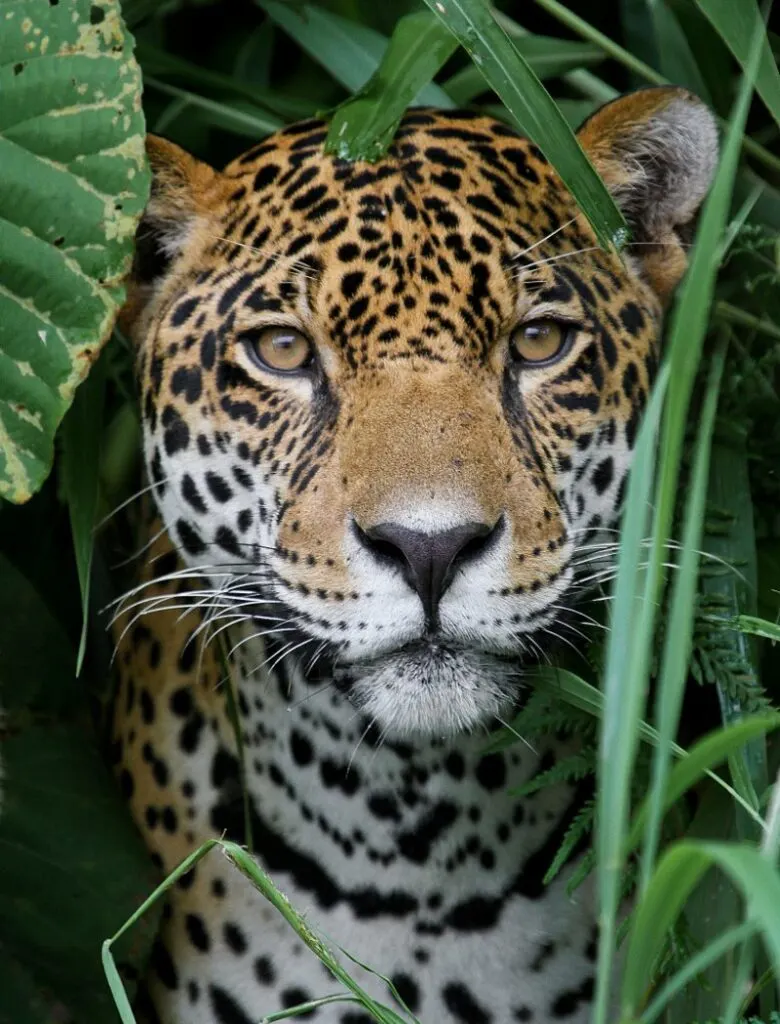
[{"x": 388, "y": 409}]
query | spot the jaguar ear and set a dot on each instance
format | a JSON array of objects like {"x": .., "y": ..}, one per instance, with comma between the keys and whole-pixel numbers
[
  {"x": 656, "y": 150},
  {"x": 181, "y": 197}
]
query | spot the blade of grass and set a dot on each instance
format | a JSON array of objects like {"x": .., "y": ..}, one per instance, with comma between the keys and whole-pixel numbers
[
  {"x": 584, "y": 82},
  {"x": 244, "y": 122},
  {"x": 271, "y": 102},
  {"x": 262, "y": 882},
  {"x": 677, "y": 640},
  {"x": 696, "y": 966},
  {"x": 678, "y": 872},
  {"x": 676, "y": 60},
  {"x": 80, "y": 469},
  {"x": 534, "y": 109},
  {"x": 582, "y": 695},
  {"x": 629, "y": 641},
  {"x": 348, "y": 50},
  {"x": 546, "y": 56},
  {"x": 618, "y": 53},
  {"x": 363, "y": 127},
  {"x": 625, "y": 684},
  {"x": 756, "y": 627},
  {"x": 736, "y": 24}
]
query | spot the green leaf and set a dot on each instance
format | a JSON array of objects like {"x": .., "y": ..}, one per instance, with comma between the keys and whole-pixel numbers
[
  {"x": 736, "y": 24},
  {"x": 627, "y": 670},
  {"x": 546, "y": 56},
  {"x": 678, "y": 872},
  {"x": 625, "y": 684},
  {"x": 758, "y": 627},
  {"x": 533, "y": 108},
  {"x": 266, "y": 102},
  {"x": 81, "y": 444},
  {"x": 363, "y": 127},
  {"x": 74, "y": 185},
  {"x": 249, "y": 867},
  {"x": 677, "y": 640},
  {"x": 705, "y": 755},
  {"x": 676, "y": 60},
  {"x": 239, "y": 116},
  {"x": 348, "y": 50}
]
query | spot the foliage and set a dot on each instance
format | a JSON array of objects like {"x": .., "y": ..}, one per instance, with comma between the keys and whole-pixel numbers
[{"x": 705, "y": 565}]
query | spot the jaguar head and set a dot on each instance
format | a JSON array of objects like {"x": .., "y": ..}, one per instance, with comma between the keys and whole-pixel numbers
[{"x": 387, "y": 406}]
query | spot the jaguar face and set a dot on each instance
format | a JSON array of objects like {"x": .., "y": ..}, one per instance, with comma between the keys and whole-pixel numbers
[{"x": 387, "y": 406}]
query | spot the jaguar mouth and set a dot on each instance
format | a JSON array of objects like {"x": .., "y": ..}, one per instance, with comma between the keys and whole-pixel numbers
[{"x": 431, "y": 688}]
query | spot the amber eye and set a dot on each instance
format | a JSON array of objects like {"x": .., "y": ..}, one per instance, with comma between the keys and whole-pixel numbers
[
  {"x": 282, "y": 349},
  {"x": 541, "y": 341}
]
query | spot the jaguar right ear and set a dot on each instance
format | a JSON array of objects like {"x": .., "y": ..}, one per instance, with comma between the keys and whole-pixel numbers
[{"x": 182, "y": 197}]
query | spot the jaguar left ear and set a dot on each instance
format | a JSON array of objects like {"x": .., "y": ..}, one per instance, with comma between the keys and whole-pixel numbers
[
  {"x": 181, "y": 200},
  {"x": 656, "y": 150}
]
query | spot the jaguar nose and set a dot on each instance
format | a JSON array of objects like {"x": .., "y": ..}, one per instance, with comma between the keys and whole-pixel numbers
[{"x": 428, "y": 561}]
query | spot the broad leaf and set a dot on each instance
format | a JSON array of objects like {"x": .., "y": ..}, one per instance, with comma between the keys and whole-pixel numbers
[{"x": 74, "y": 185}]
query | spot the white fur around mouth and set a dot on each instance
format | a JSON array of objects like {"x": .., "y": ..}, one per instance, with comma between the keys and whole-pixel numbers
[{"x": 428, "y": 689}]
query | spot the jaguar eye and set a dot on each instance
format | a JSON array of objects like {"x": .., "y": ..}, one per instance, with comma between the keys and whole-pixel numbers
[
  {"x": 541, "y": 341},
  {"x": 281, "y": 349}
]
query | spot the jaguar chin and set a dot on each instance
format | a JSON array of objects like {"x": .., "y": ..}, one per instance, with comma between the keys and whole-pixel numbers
[{"x": 431, "y": 688}]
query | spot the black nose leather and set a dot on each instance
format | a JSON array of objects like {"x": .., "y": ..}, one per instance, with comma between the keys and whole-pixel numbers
[{"x": 428, "y": 560}]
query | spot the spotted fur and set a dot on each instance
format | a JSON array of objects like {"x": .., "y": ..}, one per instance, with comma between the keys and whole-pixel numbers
[{"x": 297, "y": 512}]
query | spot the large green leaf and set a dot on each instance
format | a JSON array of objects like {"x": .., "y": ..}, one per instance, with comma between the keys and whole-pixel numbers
[
  {"x": 505, "y": 71},
  {"x": 74, "y": 185},
  {"x": 363, "y": 127}
]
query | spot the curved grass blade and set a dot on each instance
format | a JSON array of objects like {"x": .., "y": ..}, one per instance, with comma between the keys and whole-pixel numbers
[
  {"x": 547, "y": 57},
  {"x": 249, "y": 120},
  {"x": 81, "y": 442},
  {"x": 348, "y": 50},
  {"x": 677, "y": 640},
  {"x": 627, "y": 666},
  {"x": 679, "y": 871},
  {"x": 757, "y": 627},
  {"x": 625, "y": 686},
  {"x": 363, "y": 127},
  {"x": 736, "y": 24},
  {"x": 262, "y": 882},
  {"x": 524, "y": 96}
]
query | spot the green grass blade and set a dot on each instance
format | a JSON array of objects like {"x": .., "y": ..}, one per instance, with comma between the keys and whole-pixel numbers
[
  {"x": 677, "y": 640},
  {"x": 625, "y": 681},
  {"x": 252, "y": 122},
  {"x": 699, "y": 761},
  {"x": 580, "y": 694},
  {"x": 524, "y": 96},
  {"x": 363, "y": 127},
  {"x": 546, "y": 56},
  {"x": 644, "y": 71},
  {"x": 678, "y": 872},
  {"x": 80, "y": 445},
  {"x": 696, "y": 966},
  {"x": 263, "y": 883},
  {"x": 118, "y": 992},
  {"x": 160, "y": 63},
  {"x": 757, "y": 627},
  {"x": 676, "y": 60},
  {"x": 737, "y": 23}
]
